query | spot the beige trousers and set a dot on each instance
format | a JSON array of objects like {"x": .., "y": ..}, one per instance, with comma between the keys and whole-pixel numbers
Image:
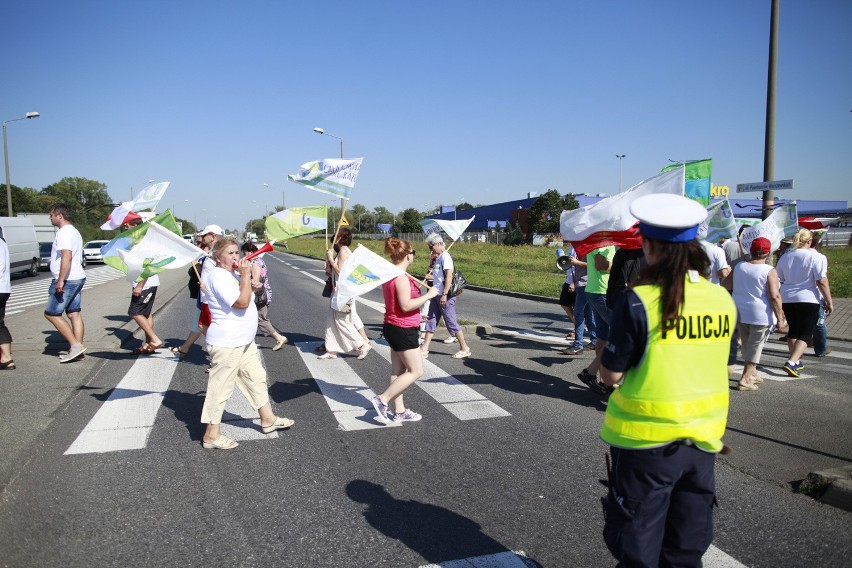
[{"x": 231, "y": 366}]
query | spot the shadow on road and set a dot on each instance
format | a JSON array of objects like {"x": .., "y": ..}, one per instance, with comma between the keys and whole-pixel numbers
[{"x": 435, "y": 533}]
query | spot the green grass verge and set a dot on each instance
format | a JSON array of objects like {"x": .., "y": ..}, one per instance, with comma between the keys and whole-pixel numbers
[{"x": 532, "y": 269}]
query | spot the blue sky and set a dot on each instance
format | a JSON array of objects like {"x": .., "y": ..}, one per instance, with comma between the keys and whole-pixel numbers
[{"x": 444, "y": 100}]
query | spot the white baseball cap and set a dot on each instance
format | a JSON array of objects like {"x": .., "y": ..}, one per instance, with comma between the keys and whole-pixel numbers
[{"x": 215, "y": 229}]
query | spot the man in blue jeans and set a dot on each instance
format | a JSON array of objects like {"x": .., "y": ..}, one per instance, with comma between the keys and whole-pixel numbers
[
  {"x": 584, "y": 318},
  {"x": 599, "y": 262},
  {"x": 65, "y": 292}
]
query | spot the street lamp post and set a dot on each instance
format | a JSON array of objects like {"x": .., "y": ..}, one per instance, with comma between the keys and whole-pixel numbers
[
  {"x": 620, "y": 158},
  {"x": 6, "y": 157},
  {"x": 322, "y": 131}
]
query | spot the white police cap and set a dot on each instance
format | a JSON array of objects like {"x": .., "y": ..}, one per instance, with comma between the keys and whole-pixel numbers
[{"x": 668, "y": 217}]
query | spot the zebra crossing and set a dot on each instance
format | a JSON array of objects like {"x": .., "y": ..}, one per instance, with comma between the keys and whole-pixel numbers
[
  {"x": 126, "y": 419},
  {"x": 34, "y": 293}
]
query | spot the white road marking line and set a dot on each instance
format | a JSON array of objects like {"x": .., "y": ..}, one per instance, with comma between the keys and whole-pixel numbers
[
  {"x": 783, "y": 352},
  {"x": 126, "y": 419},
  {"x": 508, "y": 559},
  {"x": 717, "y": 558},
  {"x": 456, "y": 397},
  {"x": 535, "y": 336},
  {"x": 713, "y": 558},
  {"x": 241, "y": 422},
  {"x": 346, "y": 394},
  {"x": 771, "y": 374}
]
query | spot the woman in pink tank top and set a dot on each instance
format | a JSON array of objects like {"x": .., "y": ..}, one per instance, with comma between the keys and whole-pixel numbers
[{"x": 401, "y": 330}]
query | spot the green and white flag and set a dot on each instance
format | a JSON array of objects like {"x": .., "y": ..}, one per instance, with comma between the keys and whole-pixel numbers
[
  {"x": 454, "y": 229},
  {"x": 784, "y": 222},
  {"x": 160, "y": 249},
  {"x": 362, "y": 271},
  {"x": 113, "y": 252},
  {"x": 149, "y": 196},
  {"x": 719, "y": 224},
  {"x": 296, "y": 221},
  {"x": 334, "y": 176}
]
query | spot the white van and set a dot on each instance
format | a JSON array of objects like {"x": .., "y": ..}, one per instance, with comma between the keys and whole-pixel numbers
[{"x": 20, "y": 237}]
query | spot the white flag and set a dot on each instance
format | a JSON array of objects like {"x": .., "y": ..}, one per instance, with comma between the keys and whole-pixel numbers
[
  {"x": 160, "y": 249},
  {"x": 719, "y": 224},
  {"x": 613, "y": 213},
  {"x": 149, "y": 196},
  {"x": 454, "y": 229},
  {"x": 116, "y": 218},
  {"x": 783, "y": 222},
  {"x": 334, "y": 176},
  {"x": 362, "y": 271}
]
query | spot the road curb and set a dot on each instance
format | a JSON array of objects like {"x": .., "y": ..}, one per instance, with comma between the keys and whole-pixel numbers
[{"x": 830, "y": 486}]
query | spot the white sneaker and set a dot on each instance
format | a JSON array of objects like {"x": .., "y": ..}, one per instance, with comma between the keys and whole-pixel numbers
[
  {"x": 451, "y": 339},
  {"x": 74, "y": 353}
]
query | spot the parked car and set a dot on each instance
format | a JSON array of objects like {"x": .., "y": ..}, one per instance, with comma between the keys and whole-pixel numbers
[
  {"x": 44, "y": 258},
  {"x": 92, "y": 251}
]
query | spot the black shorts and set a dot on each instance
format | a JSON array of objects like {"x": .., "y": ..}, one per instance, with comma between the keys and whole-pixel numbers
[
  {"x": 401, "y": 338},
  {"x": 567, "y": 297},
  {"x": 802, "y": 318},
  {"x": 142, "y": 304}
]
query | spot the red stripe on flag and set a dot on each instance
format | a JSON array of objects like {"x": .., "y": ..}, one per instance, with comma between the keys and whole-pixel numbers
[{"x": 629, "y": 239}]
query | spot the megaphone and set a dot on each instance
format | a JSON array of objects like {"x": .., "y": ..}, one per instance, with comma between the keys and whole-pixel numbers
[
  {"x": 563, "y": 261},
  {"x": 262, "y": 250}
]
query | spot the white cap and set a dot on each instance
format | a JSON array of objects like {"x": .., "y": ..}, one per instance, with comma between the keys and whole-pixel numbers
[
  {"x": 215, "y": 229},
  {"x": 668, "y": 217}
]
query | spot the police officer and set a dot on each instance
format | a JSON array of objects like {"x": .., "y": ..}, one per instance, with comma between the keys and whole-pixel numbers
[{"x": 669, "y": 345}]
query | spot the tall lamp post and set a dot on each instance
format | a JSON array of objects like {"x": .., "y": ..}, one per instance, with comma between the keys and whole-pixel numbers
[
  {"x": 620, "y": 158},
  {"x": 6, "y": 157},
  {"x": 322, "y": 131}
]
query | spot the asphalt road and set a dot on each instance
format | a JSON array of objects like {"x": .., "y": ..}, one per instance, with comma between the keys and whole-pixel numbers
[{"x": 506, "y": 458}]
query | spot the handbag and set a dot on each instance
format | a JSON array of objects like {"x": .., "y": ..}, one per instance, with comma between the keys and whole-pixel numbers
[
  {"x": 326, "y": 292},
  {"x": 457, "y": 285},
  {"x": 260, "y": 296}
]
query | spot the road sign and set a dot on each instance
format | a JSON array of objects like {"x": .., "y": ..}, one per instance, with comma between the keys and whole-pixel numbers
[{"x": 765, "y": 185}]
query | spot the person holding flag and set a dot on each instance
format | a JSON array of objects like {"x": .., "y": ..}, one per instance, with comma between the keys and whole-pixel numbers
[
  {"x": 443, "y": 306},
  {"x": 401, "y": 330},
  {"x": 142, "y": 295}
]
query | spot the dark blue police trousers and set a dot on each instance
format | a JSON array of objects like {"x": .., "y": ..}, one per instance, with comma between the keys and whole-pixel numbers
[{"x": 659, "y": 511}]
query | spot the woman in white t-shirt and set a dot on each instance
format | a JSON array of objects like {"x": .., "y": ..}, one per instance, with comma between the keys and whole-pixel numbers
[
  {"x": 803, "y": 273},
  {"x": 758, "y": 299},
  {"x": 230, "y": 342}
]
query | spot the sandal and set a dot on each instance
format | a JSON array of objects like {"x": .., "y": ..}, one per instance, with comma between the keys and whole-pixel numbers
[
  {"x": 142, "y": 350},
  {"x": 178, "y": 353},
  {"x": 742, "y": 387},
  {"x": 362, "y": 353},
  {"x": 280, "y": 343},
  {"x": 8, "y": 366},
  {"x": 462, "y": 354},
  {"x": 279, "y": 424},
  {"x": 328, "y": 356},
  {"x": 570, "y": 336},
  {"x": 221, "y": 443}
]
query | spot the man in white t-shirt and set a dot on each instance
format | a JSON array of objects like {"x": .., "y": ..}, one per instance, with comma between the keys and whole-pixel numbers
[
  {"x": 719, "y": 268},
  {"x": 65, "y": 294}
]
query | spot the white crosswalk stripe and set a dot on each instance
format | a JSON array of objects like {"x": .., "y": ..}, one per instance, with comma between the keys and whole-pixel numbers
[
  {"x": 348, "y": 396},
  {"x": 28, "y": 294}
]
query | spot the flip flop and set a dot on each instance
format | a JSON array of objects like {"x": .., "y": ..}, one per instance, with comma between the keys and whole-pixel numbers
[
  {"x": 280, "y": 343},
  {"x": 328, "y": 356},
  {"x": 746, "y": 387},
  {"x": 362, "y": 354},
  {"x": 221, "y": 443}
]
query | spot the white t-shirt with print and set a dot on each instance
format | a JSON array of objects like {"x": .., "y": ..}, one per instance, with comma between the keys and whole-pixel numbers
[
  {"x": 231, "y": 327},
  {"x": 68, "y": 238}
]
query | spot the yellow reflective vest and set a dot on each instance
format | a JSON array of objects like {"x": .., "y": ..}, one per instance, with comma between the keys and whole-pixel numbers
[{"x": 679, "y": 390}]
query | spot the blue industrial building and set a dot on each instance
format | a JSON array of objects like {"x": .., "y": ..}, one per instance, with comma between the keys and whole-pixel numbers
[{"x": 498, "y": 214}]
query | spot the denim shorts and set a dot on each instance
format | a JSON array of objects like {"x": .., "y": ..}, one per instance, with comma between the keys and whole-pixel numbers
[{"x": 68, "y": 301}]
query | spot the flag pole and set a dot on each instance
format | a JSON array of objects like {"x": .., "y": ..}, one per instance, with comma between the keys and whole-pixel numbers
[{"x": 413, "y": 279}]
